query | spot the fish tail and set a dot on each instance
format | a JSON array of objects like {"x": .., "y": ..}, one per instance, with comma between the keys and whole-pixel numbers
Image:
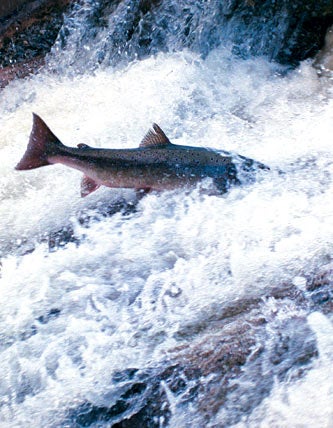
[{"x": 42, "y": 144}]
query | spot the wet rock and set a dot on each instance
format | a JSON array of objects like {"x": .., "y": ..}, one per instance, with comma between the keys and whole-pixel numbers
[
  {"x": 28, "y": 30},
  {"x": 66, "y": 234},
  {"x": 7, "y": 7},
  {"x": 20, "y": 70},
  {"x": 324, "y": 59},
  {"x": 320, "y": 297},
  {"x": 222, "y": 369},
  {"x": 17, "y": 14},
  {"x": 319, "y": 289},
  {"x": 146, "y": 397},
  {"x": 58, "y": 239},
  {"x": 292, "y": 347},
  {"x": 286, "y": 32}
]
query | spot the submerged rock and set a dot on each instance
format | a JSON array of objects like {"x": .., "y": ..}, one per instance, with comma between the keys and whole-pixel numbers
[
  {"x": 225, "y": 366},
  {"x": 324, "y": 59},
  {"x": 220, "y": 374}
]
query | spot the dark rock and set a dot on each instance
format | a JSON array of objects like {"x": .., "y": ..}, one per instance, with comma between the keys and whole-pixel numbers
[
  {"x": 294, "y": 346},
  {"x": 28, "y": 30},
  {"x": 320, "y": 297},
  {"x": 20, "y": 70},
  {"x": 58, "y": 239},
  {"x": 223, "y": 367},
  {"x": 7, "y": 7},
  {"x": 31, "y": 32},
  {"x": 66, "y": 234},
  {"x": 324, "y": 59},
  {"x": 319, "y": 289},
  {"x": 286, "y": 32}
]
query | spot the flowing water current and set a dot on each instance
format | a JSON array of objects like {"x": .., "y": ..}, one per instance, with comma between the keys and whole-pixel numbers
[{"x": 117, "y": 294}]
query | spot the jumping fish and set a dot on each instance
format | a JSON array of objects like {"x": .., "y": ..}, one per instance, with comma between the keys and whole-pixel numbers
[{"x": 157, "y": 164}]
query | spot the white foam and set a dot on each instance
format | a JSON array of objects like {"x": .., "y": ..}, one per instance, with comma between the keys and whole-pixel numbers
[{"x": 133, "y": 281}]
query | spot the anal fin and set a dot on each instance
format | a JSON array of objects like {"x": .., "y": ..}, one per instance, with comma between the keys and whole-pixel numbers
[{"x": 88, "y": 185}]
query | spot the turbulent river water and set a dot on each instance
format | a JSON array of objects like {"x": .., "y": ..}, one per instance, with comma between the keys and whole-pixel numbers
[{"x": 117, "y": 295}]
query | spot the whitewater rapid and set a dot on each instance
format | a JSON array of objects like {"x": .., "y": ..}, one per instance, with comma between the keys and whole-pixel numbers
[{"x": 119, "y": 293}]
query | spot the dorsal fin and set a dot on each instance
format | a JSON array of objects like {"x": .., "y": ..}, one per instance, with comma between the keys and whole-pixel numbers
[
  {"x": 83, "y": 146},
  {"x": 155, "y": 138}
]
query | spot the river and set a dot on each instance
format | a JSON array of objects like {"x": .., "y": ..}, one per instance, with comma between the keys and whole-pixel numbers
[{"x": 114, "y": 296}]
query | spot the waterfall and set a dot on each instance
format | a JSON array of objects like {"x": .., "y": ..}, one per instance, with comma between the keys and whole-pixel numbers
[{"x": 178, "y": 309}]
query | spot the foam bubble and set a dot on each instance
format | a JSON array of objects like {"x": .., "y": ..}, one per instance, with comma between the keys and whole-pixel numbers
[{"x": 119, "y": 298}]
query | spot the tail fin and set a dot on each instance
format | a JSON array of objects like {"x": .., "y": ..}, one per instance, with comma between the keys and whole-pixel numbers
[{"x": 42, "y": 144}]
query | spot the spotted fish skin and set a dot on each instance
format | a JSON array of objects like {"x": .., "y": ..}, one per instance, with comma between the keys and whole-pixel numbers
[{"x": 156, "y": 164}]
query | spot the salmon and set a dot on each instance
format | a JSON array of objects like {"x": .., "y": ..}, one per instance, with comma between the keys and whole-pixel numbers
[{"x": 157, "y": 164}]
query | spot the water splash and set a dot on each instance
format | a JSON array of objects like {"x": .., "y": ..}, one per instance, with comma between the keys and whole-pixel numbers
[{"x": 133, "y": 287}]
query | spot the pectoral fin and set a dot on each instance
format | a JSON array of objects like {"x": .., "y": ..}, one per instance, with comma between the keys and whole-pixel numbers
[{"x": 88, "y": 185}]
